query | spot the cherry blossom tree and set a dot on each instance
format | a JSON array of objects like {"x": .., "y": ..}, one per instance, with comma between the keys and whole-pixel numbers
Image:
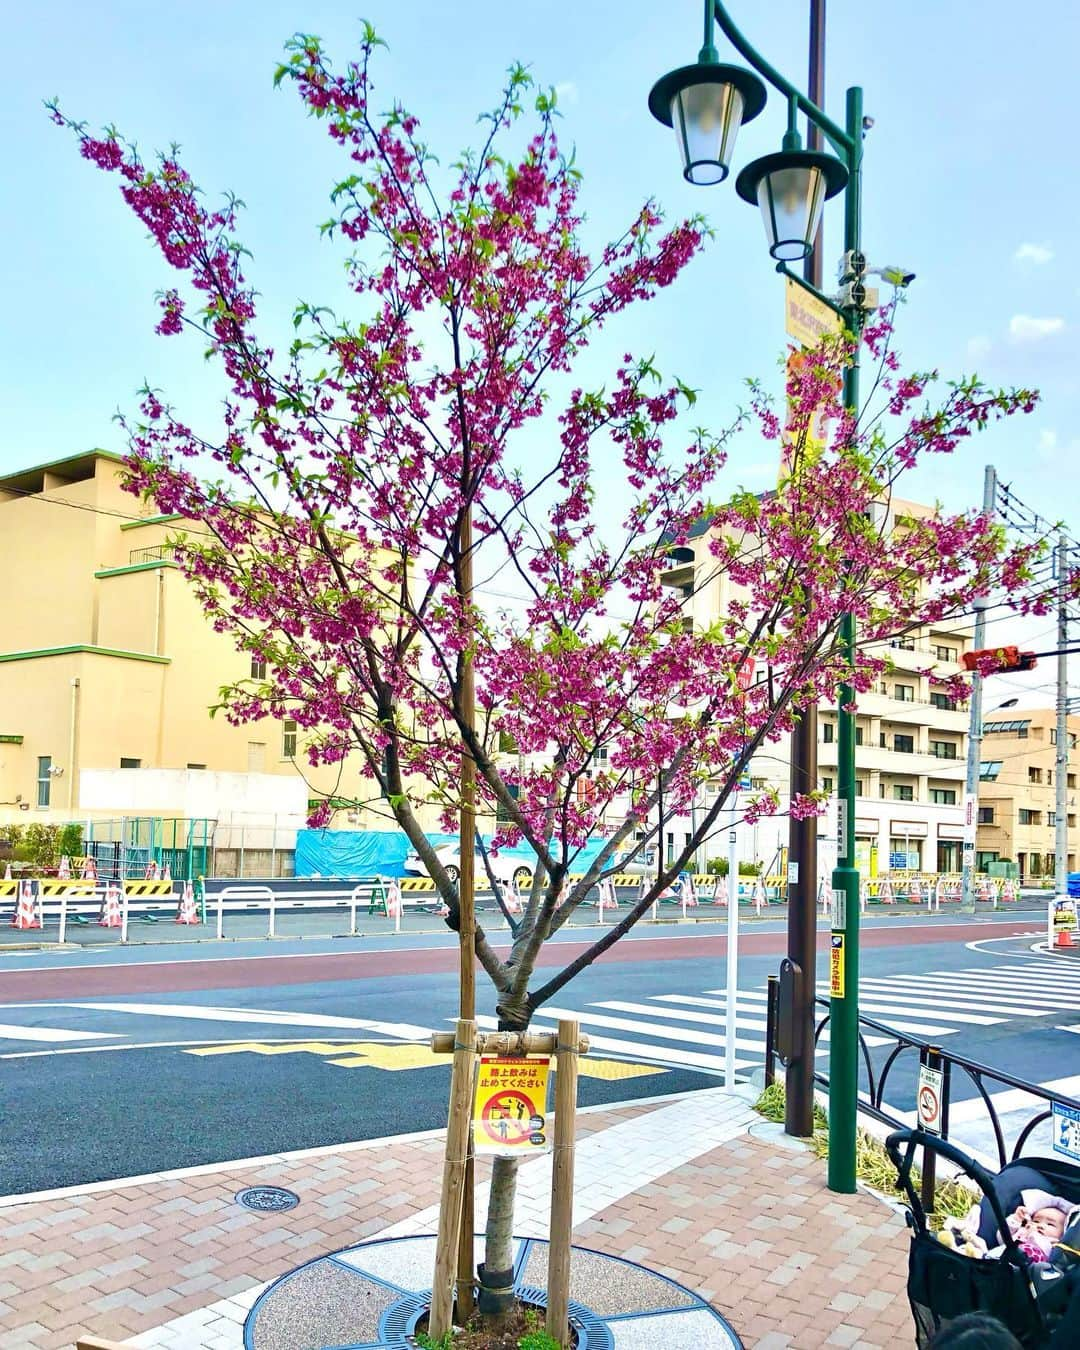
[{"x": 374, "y": 469}]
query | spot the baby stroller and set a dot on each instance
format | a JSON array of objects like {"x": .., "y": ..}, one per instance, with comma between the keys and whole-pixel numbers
[{"x": 1040, "y": 1304}]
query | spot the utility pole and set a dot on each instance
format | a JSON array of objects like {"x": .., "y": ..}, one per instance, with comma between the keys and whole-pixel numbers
[
  {"x": 1061, "y": 758},
  {"x": 974, "y": 747},
  {"x": 802, "y": 834}
]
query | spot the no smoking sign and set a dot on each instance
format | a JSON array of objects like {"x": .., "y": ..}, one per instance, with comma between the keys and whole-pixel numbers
[{"x": 928, "y": 1099}]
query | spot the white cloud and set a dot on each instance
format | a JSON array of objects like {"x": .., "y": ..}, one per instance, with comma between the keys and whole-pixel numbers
[
  {"x": 1034, "y": 253},
  {"x": 1025, "y": 328},
  {"x": 1048, "y": 439},
  {"x": 566, "y": 92},
  {"x": 978, "y": 347}
]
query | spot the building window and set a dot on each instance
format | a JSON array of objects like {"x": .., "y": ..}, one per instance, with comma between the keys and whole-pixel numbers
[
  {"x": 288, "y": 739},
  {"x": 1013, "y": 727},
  {"x": 943, "y": 749},
  {"x": 826, "y": 784},
  {"x": 904, "y": 744},
  {"x": 44, "y": 779},
  {"x": 943, "y": 701},
  {"x": 1051, "y": 817},
  {"x": 1034, "y": 775},
  {"x": 828, "y": 733},
  {"x": 1028, "y": 817},
  {"x": 904, "y": 692},
  {"x": 858, "y": 735},
  {"x": 130, "y": 763},
  {"x": 989, "y": 770},
  {"x": 986, "y": 815},
  {"x": 945, "y": 653},
  {"x": 904, "y": 644},
  {"x": 669, "y": 847},
  {"x": 860, "y": 787},
  {"x": 196, "y": 766},
  {"x": 258, "y": 669},
  {"x": 943, "y": 796},
  {"x": 1070, "y": 780},
  {"x": 903, "y": 792}
]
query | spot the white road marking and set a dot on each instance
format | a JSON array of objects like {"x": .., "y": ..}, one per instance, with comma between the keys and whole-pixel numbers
[
  {"x": 197, "y": 1012},
  {"x": 642, "y": 1050},
  {"x": 11, "y": 1032}
]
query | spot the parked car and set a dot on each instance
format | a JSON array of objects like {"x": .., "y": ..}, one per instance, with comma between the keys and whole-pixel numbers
[
  {"x": 642, "y": 864},
  {"x": 506, "y": 867}
]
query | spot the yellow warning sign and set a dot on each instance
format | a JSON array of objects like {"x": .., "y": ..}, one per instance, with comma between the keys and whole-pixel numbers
[
  {"x": 836, "y": 966},
  {"x": 509, "y": 1105}
]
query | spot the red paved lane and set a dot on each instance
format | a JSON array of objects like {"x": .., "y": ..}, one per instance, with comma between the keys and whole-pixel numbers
[{"x": 266, "y": 972}]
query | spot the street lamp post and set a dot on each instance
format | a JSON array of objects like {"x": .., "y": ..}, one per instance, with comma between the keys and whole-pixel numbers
[{"x": 791, "y": 187}]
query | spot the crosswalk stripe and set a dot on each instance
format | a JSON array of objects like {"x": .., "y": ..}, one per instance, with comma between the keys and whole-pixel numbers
[
  {"x": 740, "y": 1020},
  {"x": 939, "y": 1004},
  {"x": 657, "y": 1029},
  {"x": 11, "y": 1032},
  {"x": 680, "y": 1015},
  {"x": 977, "y": 990},
  {"x": 643, "y": 1050}
]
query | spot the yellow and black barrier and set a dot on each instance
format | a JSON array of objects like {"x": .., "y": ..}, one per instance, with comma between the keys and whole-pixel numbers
[
  {"x": 149, "y": 889},
  {"x": 417, "y": 884},
  {"x": 66, "y": 886}
]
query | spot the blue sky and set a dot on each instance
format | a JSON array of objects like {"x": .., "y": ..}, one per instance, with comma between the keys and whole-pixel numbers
[{"x": 968, "y": 181}]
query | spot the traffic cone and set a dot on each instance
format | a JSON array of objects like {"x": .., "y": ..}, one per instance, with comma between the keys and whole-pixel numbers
[
  {"x": 151, "y": 872},
  {"x": 166, "y": 873},
  {"x": 605, "y": 895},
  {"x": 510, "y": 899},
  {"x": 1064, "y": 938},
  {"x": 26, "y": 915},
  {"x": 89, "y": 870},
  {"x": 186, "y": 911},
  {"x": 110, "y": 912},
  {"x": 63, "y": 872},
  {"x": 393, "y": 900},
  {"x": 1008, "y": 889},
  {"x": 687, "y": 893},
  {"x": 915, "y": 892},
  {"x": 761, "y": 896},
  {"x": 719, "y": 892},
  {"x": 7, "y": 872}
]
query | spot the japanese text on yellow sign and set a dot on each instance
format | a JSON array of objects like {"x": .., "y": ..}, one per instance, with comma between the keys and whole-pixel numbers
[
  {"x": 836, "y": 966},
  {"x": 509, "y": 1106}
]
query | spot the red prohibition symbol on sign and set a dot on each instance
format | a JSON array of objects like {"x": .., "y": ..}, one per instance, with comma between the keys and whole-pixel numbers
[
  {"x": 507, "y": 1116},
  {"x": 928, "y": 1105}
]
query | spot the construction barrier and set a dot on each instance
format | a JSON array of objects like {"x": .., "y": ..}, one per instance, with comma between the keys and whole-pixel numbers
[{"x": 1061, "y": 924}]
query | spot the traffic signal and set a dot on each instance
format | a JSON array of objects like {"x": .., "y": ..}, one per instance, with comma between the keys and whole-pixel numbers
[{"x": 1002, "y": 658}]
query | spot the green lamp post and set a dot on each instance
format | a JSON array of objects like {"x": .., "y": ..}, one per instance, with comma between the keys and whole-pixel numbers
[{"x": 706, "y": 103}]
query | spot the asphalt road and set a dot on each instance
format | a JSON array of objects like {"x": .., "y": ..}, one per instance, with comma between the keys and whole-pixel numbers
[{"x": 126, "y": 1062}]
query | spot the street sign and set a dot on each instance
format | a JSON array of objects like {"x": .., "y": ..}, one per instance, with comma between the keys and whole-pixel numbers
[
  {"x": 839, "y": 908},
  {"x": 836, "y": 966},
  {"x": 806, "y": 317},
  {"x": 928, "y": 1098},
  {"x": 841, "y": 827},
  {"x": 744, "y": 676},
  {"x": 1066, "y": 1131},
  {"x": 509, "y": 1106},
  {"x": 1061, "y": 922}
]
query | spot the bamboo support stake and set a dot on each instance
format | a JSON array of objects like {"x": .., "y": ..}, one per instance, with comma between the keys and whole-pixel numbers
[
  {"x": 464, "y": 1300},
  {"x": 562, "y": 1183},
  {"x": 507, "y": 1043},
  {"x": 453, "y": 1184}
]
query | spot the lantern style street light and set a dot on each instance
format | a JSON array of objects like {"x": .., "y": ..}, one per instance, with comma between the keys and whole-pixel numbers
[
  {"x": 707, "y": 103},
  {"x": 791, "y": 188}
]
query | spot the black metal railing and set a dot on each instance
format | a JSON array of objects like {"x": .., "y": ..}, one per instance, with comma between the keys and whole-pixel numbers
[
  {"x": 872, "y": 1096},
  {"x": 156, "y": 553}
]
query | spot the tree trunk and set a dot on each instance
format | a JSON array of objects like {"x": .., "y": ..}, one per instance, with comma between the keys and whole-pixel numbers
[{"x": 497, "y": 1271}]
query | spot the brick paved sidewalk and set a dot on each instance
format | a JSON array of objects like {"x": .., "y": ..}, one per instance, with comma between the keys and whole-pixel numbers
[{"x": 745, "y": 1222}]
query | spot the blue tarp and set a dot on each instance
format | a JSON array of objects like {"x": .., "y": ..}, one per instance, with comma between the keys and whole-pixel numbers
[{"x": 367, "y": 853}]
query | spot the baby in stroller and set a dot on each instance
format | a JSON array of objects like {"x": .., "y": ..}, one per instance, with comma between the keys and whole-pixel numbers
[{"x": 1037, "y": 1225}]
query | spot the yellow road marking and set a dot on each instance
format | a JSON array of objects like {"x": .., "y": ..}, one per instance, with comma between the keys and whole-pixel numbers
[{"x": 394, "y": 1056}]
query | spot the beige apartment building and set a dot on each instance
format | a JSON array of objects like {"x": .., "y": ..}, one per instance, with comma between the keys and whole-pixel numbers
[
  {"x": 1018, "y": 791},
  {"x": 911, "y": 741},
  {"x": 108, "y": 669}
]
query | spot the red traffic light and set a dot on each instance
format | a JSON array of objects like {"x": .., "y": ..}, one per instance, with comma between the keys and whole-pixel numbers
[{"x": 991, "y": 660}]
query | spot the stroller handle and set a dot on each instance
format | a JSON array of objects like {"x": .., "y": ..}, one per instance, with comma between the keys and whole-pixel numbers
[{"x": 984, "y": 1179}]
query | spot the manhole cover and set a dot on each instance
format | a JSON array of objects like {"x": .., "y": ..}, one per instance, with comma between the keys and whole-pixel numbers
[{"x": 267, "y": 1199}]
